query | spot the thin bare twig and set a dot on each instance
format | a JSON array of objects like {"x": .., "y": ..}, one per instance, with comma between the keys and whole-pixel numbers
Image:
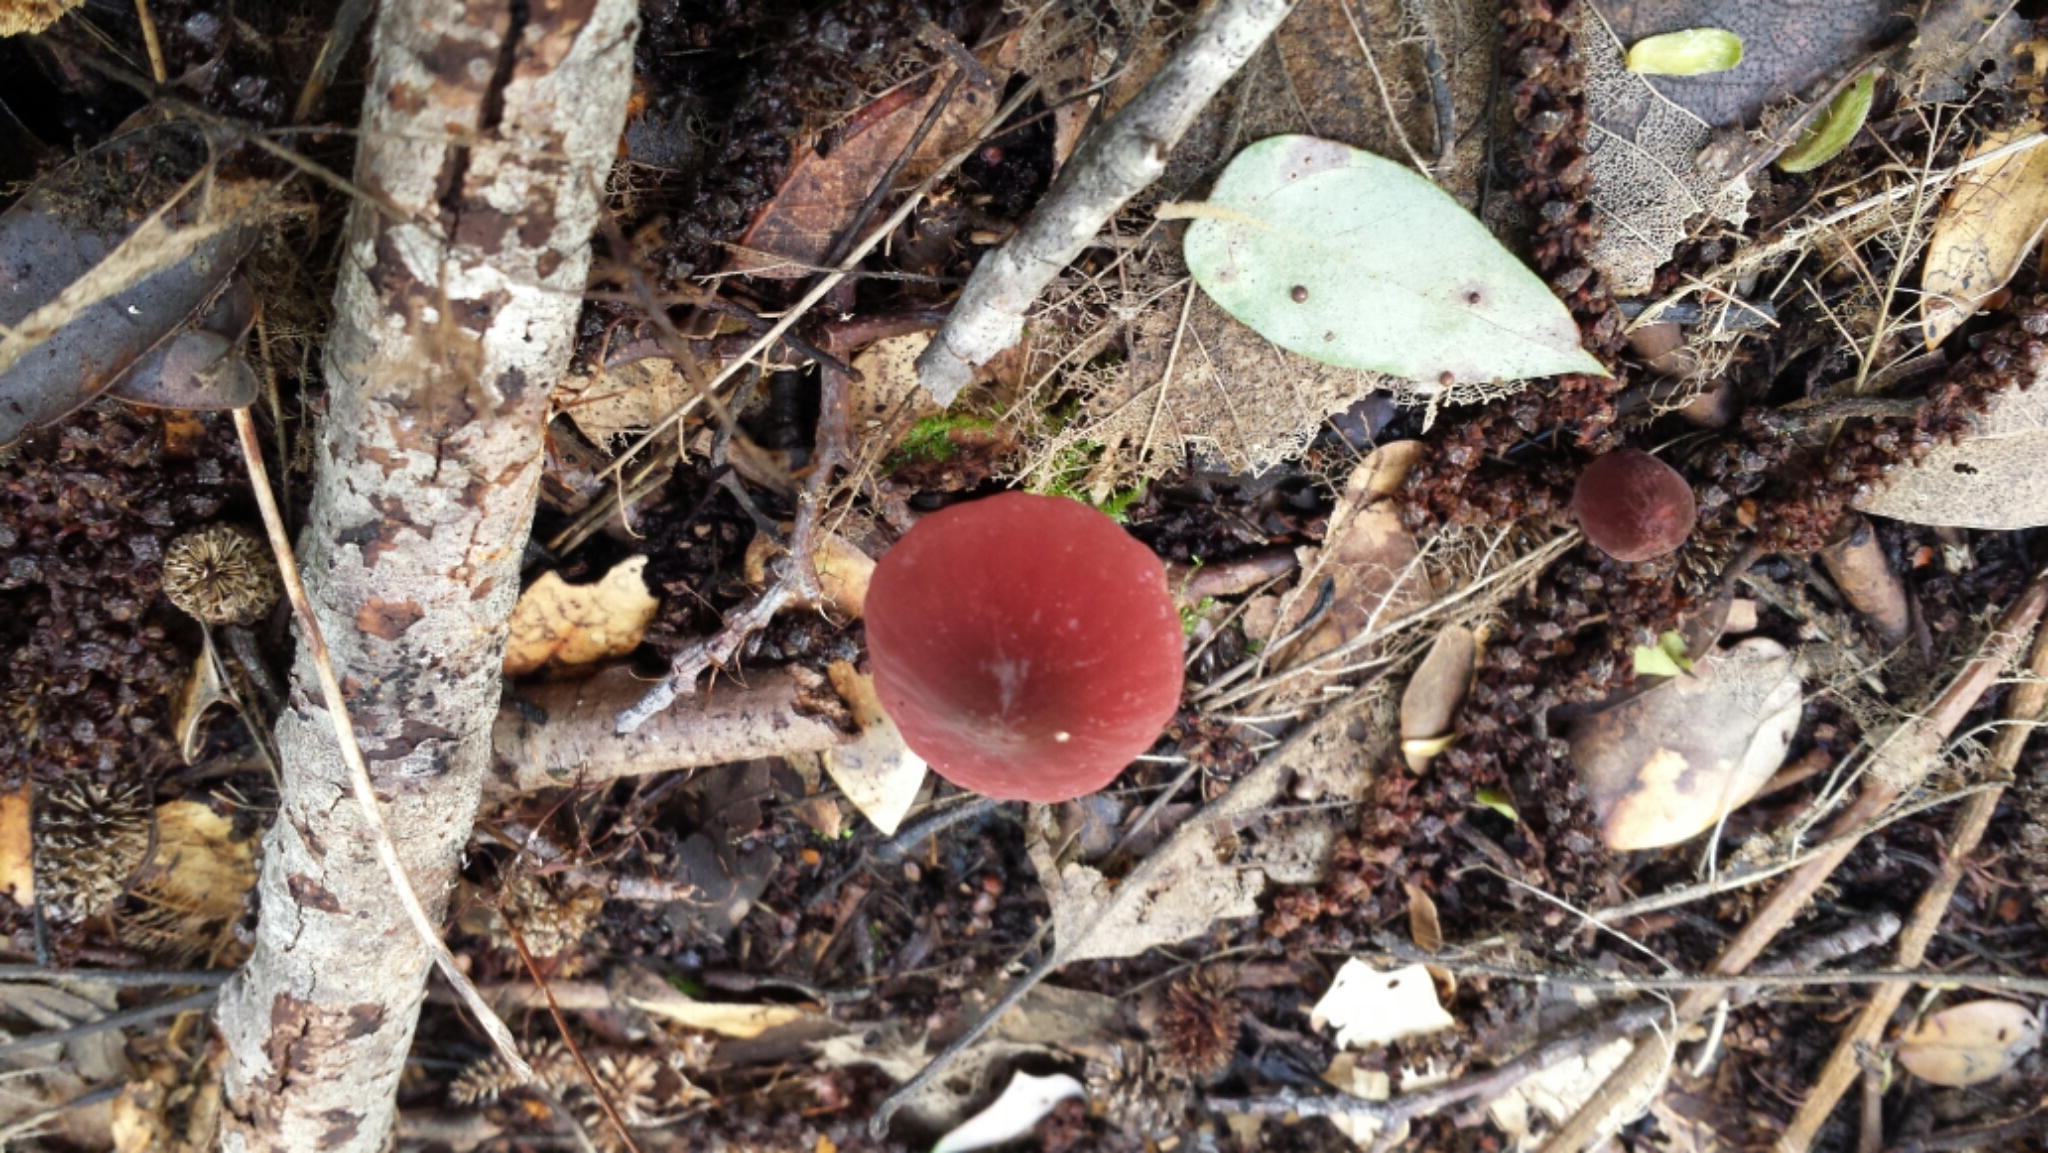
[
  {"x": 352, "y": 753},
  {"x": 1879, "y": 792},
  {"x": 604, "y": 1099},
  {"x": 2025, "y": 704}
]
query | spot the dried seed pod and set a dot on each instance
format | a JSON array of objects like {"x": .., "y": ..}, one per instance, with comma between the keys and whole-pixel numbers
[
  {"x": 1634, "y": 507},
  {"x": 549, "y": 924},
  {"x": 1199, "y": 1026},
  {"x": 89, "y": 839},
  {"x": 221, "y": 574},
  {"x": 1136, "y": 1094}
]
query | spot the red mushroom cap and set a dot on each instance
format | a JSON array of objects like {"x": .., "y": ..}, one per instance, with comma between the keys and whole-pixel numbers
[
  {"x": 1634, "y": 507},
  {"x": 1026, "y": 646}
]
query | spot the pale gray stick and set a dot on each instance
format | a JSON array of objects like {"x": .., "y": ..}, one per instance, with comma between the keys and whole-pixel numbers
[{"x": 1113, "y": 164}]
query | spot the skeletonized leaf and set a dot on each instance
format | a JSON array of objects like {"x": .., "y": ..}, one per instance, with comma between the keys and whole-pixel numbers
[
  {"x": 1024, "y": 1102},
  {"x": 559, "y": 623},
  {"x": 1644, "y": 151},
  {"x": 1969, "y": 1043},
  {"x": 1996, "y": 478},
  {"x": 1354, "y": 260},
  {"x": 1832, "y": 130},
  {"x": 1691, "y": 52},
  {"x": 1368, "y": 1007},
  {"x": 1992, "y": 219}
]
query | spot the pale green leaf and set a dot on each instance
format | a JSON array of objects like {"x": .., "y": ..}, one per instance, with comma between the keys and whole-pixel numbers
[
  {"x": 1499, "y": 801},
  {"x": 1666, "y": 658},
  {"x": 1832, "y": 130},
  {"x": 1693, "y": 52},
  {"x": 1354, "y": 260}
]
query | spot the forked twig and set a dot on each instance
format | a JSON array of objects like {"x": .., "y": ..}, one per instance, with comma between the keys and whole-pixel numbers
[{"x": 352, "y": 753}]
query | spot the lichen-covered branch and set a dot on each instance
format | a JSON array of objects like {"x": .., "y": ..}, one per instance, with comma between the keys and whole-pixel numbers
[
  {"x": 1112, "y": 165},
  {"x": 490, "y": 124}
]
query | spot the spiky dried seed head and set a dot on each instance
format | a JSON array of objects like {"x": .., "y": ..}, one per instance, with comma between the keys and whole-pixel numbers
[
  {"x": 1198, "y": 1027},
  {"x": 550, "y": 923},
  {"x": 1136, "y": 1094},
  {"x": 221, "y": 574},
  {"x": 89, "y": 839}
]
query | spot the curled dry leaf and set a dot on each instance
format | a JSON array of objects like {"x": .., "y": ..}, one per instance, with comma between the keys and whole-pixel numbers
[
  {"x": 1969, "y": 1043},
  {"x": 1295, "y": 242},
  {"x": 727, "y": 1019},
  {"x": 202, "y": 688},
  {"x": 1992, "y": 218},
  {"x": 1024, "y": 1102},
  {"x": 1996, "y": 478},
  {"x": 1368, "y": 1007},
  {"x": 876, "y": 771},
  {"x": 1987, "y": 226},
  {"x": 559, "y": 624},
  {"x": 1664, "y": 766},
  {"x": 1430, "y": 702}
]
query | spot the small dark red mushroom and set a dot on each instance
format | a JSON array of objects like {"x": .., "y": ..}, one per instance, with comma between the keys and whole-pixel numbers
[
  {"x": 1634, "y": 507},
  {"x": 1026, "y": 646}
]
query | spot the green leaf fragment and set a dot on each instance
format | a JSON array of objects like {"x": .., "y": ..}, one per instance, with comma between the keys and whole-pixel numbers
[
  {"x": 1666, "y": 658},
  {"x": 1354, "y": 260},
  {"x": 1833, "y": 129},
  {"x": 1693, "y": 52},
  {"x": 1499, "y": 801}
]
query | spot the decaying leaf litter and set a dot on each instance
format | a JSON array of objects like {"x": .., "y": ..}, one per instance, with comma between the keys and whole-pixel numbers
[{"x": 1425, "y": 723}]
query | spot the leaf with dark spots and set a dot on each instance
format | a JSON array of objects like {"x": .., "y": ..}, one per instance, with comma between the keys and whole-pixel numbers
[
  {"x": 311, "y": 894},
  {"x": 1786, "y": 47},
  {"x": 388, "y": 620}
]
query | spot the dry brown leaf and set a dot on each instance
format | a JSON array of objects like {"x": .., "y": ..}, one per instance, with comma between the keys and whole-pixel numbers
[
  {"x": 17, "y": 849},
  {"x": 1423, "y": 927},
  {"x": 203, "y": 688},
  {"x": 28, "y": 17},
  {"x": 827, "y": 185},
  {"x": 1644, "y": 152},
  {"x": 1992, "y": 218},
  {"x": 1970, "y": 1043},
  {"x": 888, "y": 383},
  {"x": 876, "y": 771},
  {"x": 559, "y": 624},
  {"x": 625, "y": 400},
  {"x": 1997, "y": 478},
  {"x": 1430, "y": 702},
  {"x": 1369, "y": 554},
  {"x": 1664, "y": 766},
  {"x": 727, "y": 1019}
]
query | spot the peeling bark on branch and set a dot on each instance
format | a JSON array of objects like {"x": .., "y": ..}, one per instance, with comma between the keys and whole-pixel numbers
[
  {"x": 1113, "y": 164},
  {"x": 562, "y": 734},
  {"x": 489, "y": 125}
]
